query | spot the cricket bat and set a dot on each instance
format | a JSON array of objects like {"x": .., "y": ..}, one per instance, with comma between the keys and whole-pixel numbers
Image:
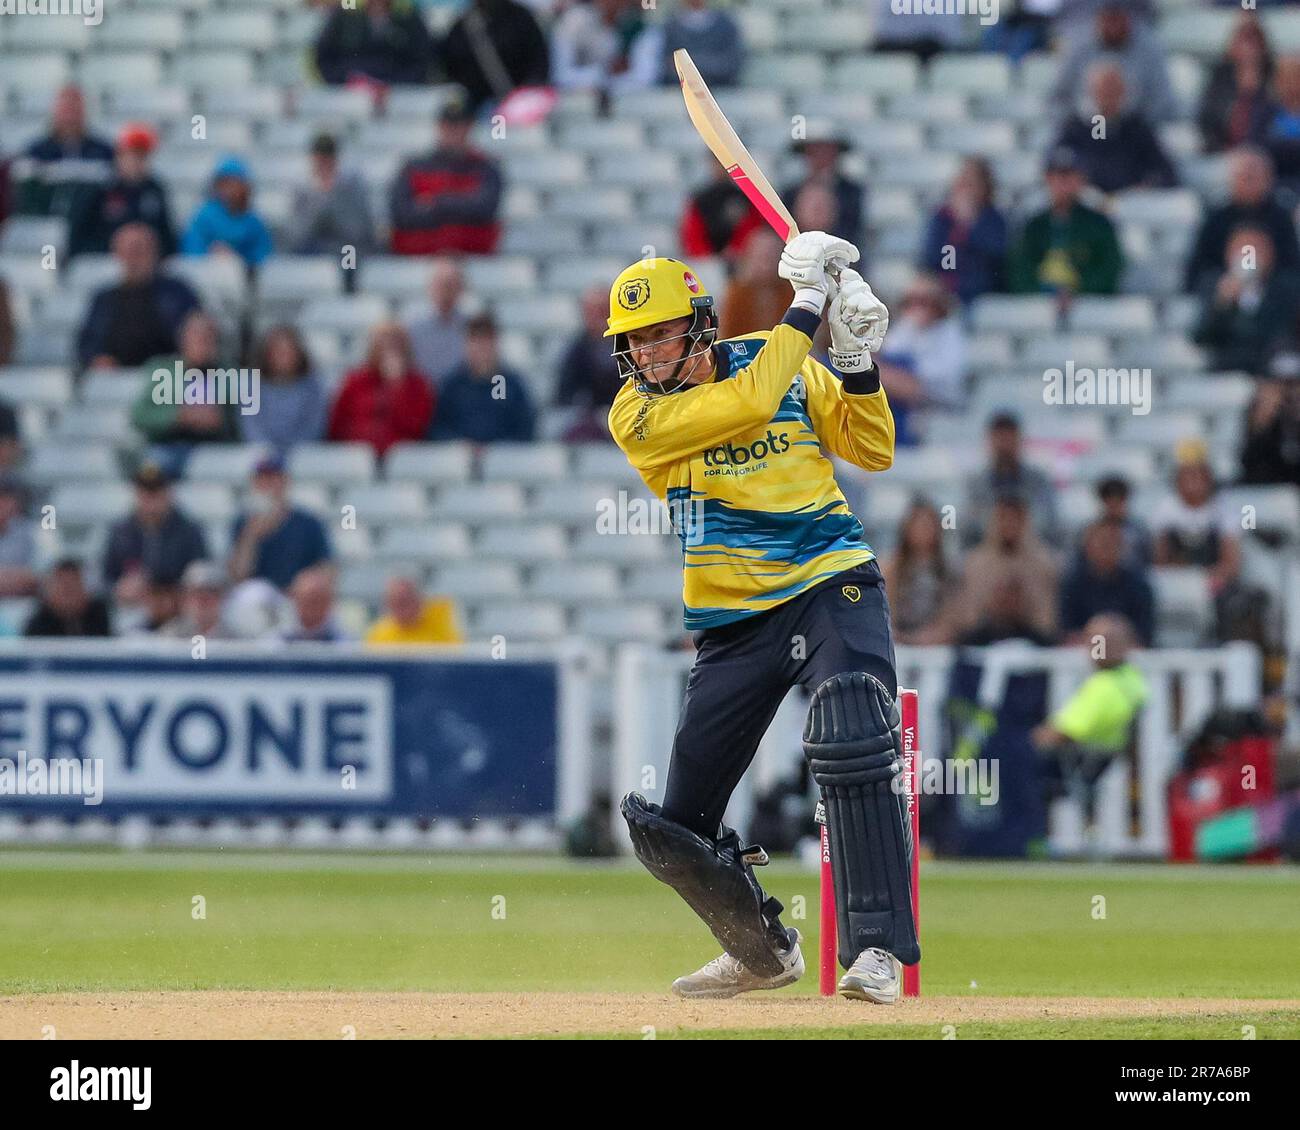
[{"x": 712, "y": 125}]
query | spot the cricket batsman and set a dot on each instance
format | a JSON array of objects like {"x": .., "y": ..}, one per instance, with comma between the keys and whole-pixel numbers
[{"x": 781, "y": 589}]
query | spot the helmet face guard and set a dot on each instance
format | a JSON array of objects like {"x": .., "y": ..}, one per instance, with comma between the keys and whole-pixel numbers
[{"x": 699, "y": 338}]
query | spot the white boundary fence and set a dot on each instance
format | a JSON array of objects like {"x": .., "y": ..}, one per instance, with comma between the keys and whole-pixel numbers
[{"x": 1186, "y": 685}]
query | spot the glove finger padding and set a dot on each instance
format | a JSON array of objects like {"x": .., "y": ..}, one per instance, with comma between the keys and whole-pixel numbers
[{"x": 805, "y": 258}]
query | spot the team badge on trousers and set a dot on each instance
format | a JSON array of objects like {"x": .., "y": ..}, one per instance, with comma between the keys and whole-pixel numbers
[{"x": 852, "y": 593}]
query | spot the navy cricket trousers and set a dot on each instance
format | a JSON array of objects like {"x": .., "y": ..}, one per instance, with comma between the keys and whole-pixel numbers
[{"x": 743, "y": 671}]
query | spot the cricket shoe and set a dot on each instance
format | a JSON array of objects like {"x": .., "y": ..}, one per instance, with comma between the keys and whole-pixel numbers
[
  {"x": 875, "y": 976},
  {"x": 725, "y": 977}
]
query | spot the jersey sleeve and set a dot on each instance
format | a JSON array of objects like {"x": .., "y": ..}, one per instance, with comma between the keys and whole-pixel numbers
[
  {"x": 851, "y": 417},
  {"x": 667, "y": 429}
]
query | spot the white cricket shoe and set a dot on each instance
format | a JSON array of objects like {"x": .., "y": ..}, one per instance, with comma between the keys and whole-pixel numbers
[
  {"x": 875, "y": 976},
  {"x": 725, "y": 977}
]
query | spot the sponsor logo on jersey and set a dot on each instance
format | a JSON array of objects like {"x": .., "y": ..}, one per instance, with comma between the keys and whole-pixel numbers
[{"x": 737, "y": 455}]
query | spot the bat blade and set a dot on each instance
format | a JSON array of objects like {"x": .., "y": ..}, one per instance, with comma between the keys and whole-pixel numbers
[{"x": 712, "y": 125}]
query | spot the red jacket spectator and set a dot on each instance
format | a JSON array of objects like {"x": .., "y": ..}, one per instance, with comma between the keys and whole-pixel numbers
[
  {"x": 718, "y": 219},
  {"x": 387, "y": 399},
  {"x": 448, "y": 200}
]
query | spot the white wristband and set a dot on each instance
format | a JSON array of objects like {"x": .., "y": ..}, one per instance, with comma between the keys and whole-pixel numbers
[
  {"x": 858, "y": 362},
  {"x": 810, "y": 298}
]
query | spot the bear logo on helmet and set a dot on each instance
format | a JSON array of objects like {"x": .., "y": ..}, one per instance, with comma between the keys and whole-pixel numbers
[{"x": 634, "y": 294}]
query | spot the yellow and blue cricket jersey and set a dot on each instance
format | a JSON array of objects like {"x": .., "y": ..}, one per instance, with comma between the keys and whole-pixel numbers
[{"x": 739, "y": 462}]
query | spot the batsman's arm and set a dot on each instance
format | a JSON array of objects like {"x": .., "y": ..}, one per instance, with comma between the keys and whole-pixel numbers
[
  {"x": 668, "y": 429},
  {"x": 851, "y": 416}
]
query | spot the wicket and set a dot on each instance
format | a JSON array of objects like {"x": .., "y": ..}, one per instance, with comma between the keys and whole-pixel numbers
[{"x": 907, "y": 700}]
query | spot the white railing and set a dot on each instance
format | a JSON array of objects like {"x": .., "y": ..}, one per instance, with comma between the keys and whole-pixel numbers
[{"x": 1186, "y": 685}]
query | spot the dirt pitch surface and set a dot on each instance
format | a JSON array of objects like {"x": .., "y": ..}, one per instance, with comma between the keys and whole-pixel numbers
[{"x": 321, "y": 1015}]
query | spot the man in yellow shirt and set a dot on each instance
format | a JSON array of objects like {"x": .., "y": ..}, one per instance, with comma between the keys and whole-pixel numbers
[
  {"x": 1081, "y": 740},
  {"x": 411, "y": 619},
  {"x": 781, "y": 589}
]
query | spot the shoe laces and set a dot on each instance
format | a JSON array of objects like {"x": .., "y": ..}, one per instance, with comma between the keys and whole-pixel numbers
[{"x": 723, "y": 966}]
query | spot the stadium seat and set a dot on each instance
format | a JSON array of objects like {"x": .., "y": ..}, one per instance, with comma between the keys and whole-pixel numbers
[
  {"x": 832, "y": 32},
  {"x": 292, "y": 279},
  {"x": 429, "y": 464},
  {"x": 159, "y": 30},
  {"x": 243, "y": 28},
  {"x": 387, "y": 504},
  {"x": 46, "y": 387},
  {"x": 348, "y": 314},
  {"x": 29, "y": 235},
  {"x": 1273, "y": 509},
  {"x": 656, "y": 583},
  {"x": 248, "y": 102},
  {"x": 108, "y": 72},
  {"x": 573, "y": 503},
  {"x": 879, "y": 74},
  {"x": 630, "y": 549},
  {"x": 69, "y": 33},
  {"x": 69, "y": 463},
  {"x": 479, "y": 580},
  {"x": 521, "y": 541},
  {"x": 985, "y": 139},
  {"x": 1130, "y": 314},
  {"x": 86, "y": 504},
  {"x": 524, "y": 463},
  {"x": 222, "y": 463},
  {"x": 33, "y": 71},
  {"x": 207, "y": 502},
  {"x": 363, "y": 581},
  {"x": 1184, "y": 606},
  {"x": 479, "y": 502},
  {"x": 339, "y": 465},
  {"x": 970, "y": 74},
  {"x": 332, "y": 106},
  {"x": 519, "y": 621},
  {"x": 574, "y": 583},
  {"x": 1163, "y": 430},
  {"x": 444, "y": 541},
  {"x": 98, "y": 424}
]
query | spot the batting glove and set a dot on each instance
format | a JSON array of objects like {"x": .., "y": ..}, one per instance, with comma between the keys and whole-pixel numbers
[
  {"x": 858, "y": 322},
  {"x": 805, "y": 262}
]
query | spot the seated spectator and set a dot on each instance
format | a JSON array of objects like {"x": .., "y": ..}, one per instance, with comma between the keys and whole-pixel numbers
[
  {"x": 139, "y": 316},
  {"x": 312, "y": 593},
  {"x": 66, "y": 607},
  {"x": 1277, "y": 128},
  {"x": 256, "y": 610},
  {"x": 587, "y": 377},
  {"x": 272, "y": 539},
  {"x": 715, "y": 41},
  {"x": 153, "y": 544},
  {"x": 1251, "y": 310},
  {"x": 17, "y": 541},
  {"x": 605, "y": 46},
  {"x": 1009, "y": 549},
  {"x": 383, "y": 41},
  {"x": 173, "y": 429},
  {"x": 203, "y": 588},
  {"x": 1007, "y": 472},
  {"x": 8, "y": 335},
  {"x": 386, "y": 400},
  {"x": 482, "y": 400},
  {"x": 1114, "y": 493},
  {"x": 1069, "y": 248},
  {"x": 57, "y": 171},
  {"x": 966, "y": 239},
  {"x": 1006, "y": 613},
  {"x": 11, "y": 443},
  {"x": 1253, "y": 202},
  {"x": 225, "y": 223},
  {"x": 493, "y": 48},
  {"x": 821, "y": 148},
  {"x": 1191, "y": 525},
  {"x": 923, "y": 363},
  {"x": 332, "y": 210},
  {"x": 1121, "y": 150},
  {"x": 1100, "y": 581},
  {"x": 1083, "y": 739},
  {"x": 718, "y": 218},
  {"x": 449, "y": 199},
  {"x": 412, "y": 618},
  {"x": 1271, "y": 450},
  {"x": 160, "y": 606},
  {"x": 918, "y": 576},
  {"x": 1236, "y": 95},
  {"x": 131, "y": 195},
  {"x": 753, "y": 300},
  {"x": 1136, "y": 47},
  {"x": 438, "y": 337},
  {"x": 293, "y": 402}
]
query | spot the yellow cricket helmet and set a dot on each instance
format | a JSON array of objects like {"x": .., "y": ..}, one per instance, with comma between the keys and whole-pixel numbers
[
  {"x": 660, "y": 290},
  {"x": 655, "y": 290}
]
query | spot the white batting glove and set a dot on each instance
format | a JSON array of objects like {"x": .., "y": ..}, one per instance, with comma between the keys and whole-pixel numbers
[
  {"x": 858, "y": 322},
  {"x": 804, "y": 264}
]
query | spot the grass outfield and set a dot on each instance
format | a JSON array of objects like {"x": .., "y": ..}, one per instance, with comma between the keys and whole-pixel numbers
[{"x": 110, "y": 922}]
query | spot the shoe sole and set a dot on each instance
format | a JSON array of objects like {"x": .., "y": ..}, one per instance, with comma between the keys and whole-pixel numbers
[
  {"x": 862, "y": 993},
  {"x": 789, "y": 977}
]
